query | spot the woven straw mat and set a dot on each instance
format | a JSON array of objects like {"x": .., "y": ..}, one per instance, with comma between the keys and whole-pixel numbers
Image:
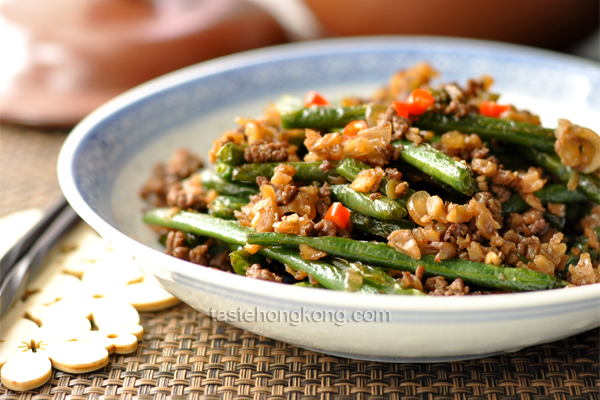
[{"x": 184, "y": 354}]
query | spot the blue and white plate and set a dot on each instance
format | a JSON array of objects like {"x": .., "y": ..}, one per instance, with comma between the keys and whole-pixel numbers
[{"x": 110, "y": 154}]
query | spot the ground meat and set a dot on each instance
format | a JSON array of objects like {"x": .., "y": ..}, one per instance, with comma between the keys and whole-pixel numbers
[
  {"x": 259, "y": 152},
  {"x": 326, "y": 166},
  {"x": 164, "y": 177},
  {"x": 393, "y": 174},
  {"x": 527, "y": 226},
  {"x": 437, "y": 286},
  {"x": 188, "y": 194},
  {"x": 502, "y": 193},
  {"x": 176, "y": 245},
  {"x": 458, "y": 107},
  {"x": 455, "y": 230},
  {"x": 199, "y": 255},
  {"x": 475, "y": 86},
  {"x": 286, "y": 195},
  {"x": 220, "y": 261},
  {"x": 400, "y": 125},
  {"x": 326, "y": 227},
  {"x": 256, "y": 272},
  {"x": 324, "y": 201},
  {"x": 324, "y": 191},
  {"x": 374, "y": 196}
]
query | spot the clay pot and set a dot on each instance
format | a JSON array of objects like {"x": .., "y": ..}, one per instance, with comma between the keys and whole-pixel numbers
[{"x": 64, "y": 58}]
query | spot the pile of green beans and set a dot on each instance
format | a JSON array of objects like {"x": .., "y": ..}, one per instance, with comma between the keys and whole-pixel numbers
[{"x": 361, "y": 265}]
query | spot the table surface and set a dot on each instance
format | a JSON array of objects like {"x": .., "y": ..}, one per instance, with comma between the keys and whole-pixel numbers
[{"x": 185, "y": 354}]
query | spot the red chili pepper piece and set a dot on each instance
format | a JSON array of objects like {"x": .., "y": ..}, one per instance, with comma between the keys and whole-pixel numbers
[
  {"x": 492, "y": 109},
  {"x": 419, "y": 101},
  {"x": 353, "y": 128},
  {"x": 338, "y": 214},
  {"x": 315, "y": 99},
  {"x": 401, "y": 108}
]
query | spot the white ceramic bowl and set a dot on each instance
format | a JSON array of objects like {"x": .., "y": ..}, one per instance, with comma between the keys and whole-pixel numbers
[{"x": 109, "y": 155}]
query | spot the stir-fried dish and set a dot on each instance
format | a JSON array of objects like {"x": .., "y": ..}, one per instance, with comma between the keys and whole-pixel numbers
[{"x": 420, "y": 189}]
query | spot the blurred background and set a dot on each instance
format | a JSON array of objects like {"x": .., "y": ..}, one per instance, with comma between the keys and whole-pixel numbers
[{"x": 60, "y": 59}]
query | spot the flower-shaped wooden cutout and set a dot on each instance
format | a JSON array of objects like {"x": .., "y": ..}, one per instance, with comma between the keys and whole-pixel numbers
[{"x": 81, "y": 307}]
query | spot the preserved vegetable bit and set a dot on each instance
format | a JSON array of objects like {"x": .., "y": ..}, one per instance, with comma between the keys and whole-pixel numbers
[
  {"x": 350, "y": 168},
  {"x": 338, "y": 214},
  {"x": 578, "y": 147}
]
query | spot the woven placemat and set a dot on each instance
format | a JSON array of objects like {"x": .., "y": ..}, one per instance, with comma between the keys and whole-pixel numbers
[
  {"x": 28, "y": 159},
  {"x": 185, "y": 354}
]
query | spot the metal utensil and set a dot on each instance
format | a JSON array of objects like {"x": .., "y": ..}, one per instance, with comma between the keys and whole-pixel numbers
[{"x": 24, "y": 259}]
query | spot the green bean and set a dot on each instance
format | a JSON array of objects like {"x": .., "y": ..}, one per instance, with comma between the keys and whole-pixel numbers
[
  {"x": 438, "y": 165},
  {"x": 350, "y": 167},
  {"x": 558, "y": 193},
  {"x": 555, "y": 221},
  {"x": 327, "y": 275},
  {"x": 198, "y": 224},
  {"x": 305, "y": 171},
  {"x": 224, "y": 206},
  {"x": 376, "y": 277},
  {"x": 322, "y": 117},
  {"x": 516, "y": 204},
  {"x": 241, "y": 260},
  {"x": 588, "y": 183},
  {"x": 222, "y": 186},
  {"x": 231, "y": 154},
  {"x": 231, "y": 232},
  {"x": 582, "y": 243},
  {"x": 383, "y": 255},
  {"x": 553, "y": 193},
  {"x": 223, "y": 171},
  {"x": 378, "y": 227},
  {"x": 520, "y": 133},
  {"x": 381, "y": 208}
]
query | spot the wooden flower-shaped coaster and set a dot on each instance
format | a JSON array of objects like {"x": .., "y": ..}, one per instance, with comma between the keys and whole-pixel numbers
[{"x": 81, "y": 307}]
